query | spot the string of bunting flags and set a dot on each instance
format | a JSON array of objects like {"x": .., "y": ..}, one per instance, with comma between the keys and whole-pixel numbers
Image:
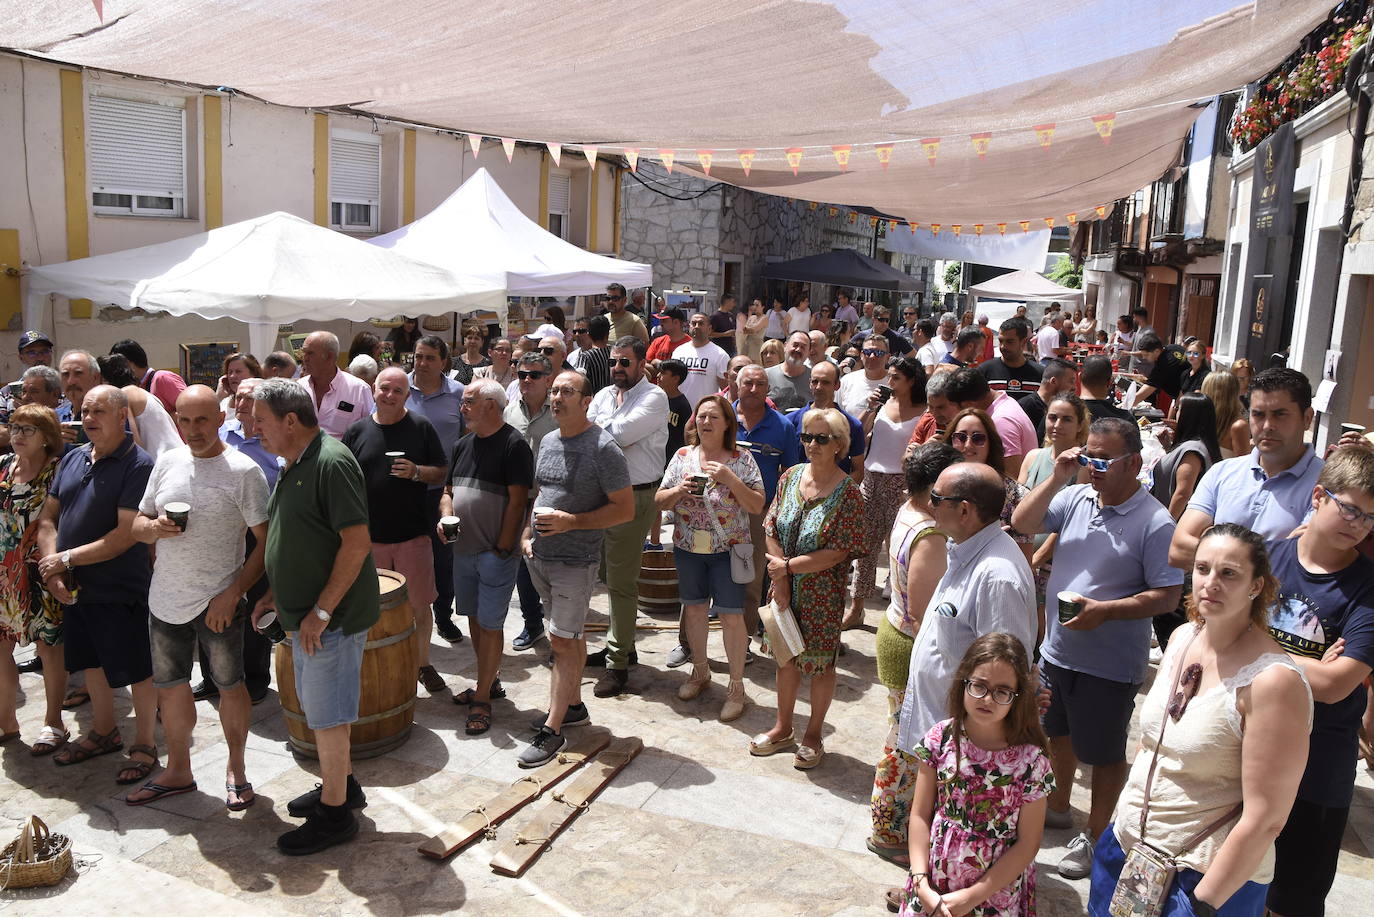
[
  {"x": 852, "y": 217},
  {"x": 982, "y": 145}
]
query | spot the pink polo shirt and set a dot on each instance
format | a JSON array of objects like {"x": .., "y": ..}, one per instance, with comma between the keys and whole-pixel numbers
[
  {"x": 165, "y": 386},
  {"x": 1015, "y": 428},
  {"x": 349, "y": 399}
]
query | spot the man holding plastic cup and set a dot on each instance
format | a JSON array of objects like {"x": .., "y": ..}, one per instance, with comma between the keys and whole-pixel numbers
[
  {"x": 198, "y": 587},
  {"x": 1112, "y": 562}
]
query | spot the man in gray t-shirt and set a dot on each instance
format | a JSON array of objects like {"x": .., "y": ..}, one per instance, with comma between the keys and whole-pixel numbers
[
  {"x": 583, "y": 487},
  {"x": 199, "y": 580}
]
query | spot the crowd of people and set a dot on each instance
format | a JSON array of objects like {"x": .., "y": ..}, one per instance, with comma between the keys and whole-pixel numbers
[{"x": 1035, "y": 562}]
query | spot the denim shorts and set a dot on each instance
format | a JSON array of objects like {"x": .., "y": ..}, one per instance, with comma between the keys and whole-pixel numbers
[
  {"x": 482, "y": 586},
  {"x": 174, "y": 648},
  {"x": 704, "y": 579},
  {"x": 329, "y": 682},
  {"x": 566, "y": 591},
  {"x": 1108, "y": 858}
]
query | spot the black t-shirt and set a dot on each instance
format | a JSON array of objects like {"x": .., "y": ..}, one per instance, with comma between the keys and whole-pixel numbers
[
  {"x": 679, "y": 411},
  {"x": 396, "y": 507},
  {"x": 483, "y": 468},
  {"x": 897, "y": 345},
  {"x": 1167, "y": 376},
  {"x": 1018, "y": 382},
  {"x": 1035, "y": 409},
  {"x": 1098, "y": 409},
  {"x": 724, "y": 321}
]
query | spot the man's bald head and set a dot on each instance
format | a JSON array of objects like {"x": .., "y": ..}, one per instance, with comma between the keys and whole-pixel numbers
[
  {"x": 199, "y": 418},
  {"x": 393, "y": 374},
  {"x": 195, "y": 398},
  {"x": 112, "y": 397},
  {"x": 978, "y": 485}
]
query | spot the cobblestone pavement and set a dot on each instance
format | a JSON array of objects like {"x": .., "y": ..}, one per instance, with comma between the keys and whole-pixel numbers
[{"x": 693, "y": 826}]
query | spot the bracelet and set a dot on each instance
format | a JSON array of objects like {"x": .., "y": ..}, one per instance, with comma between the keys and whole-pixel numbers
[
  {"x": 787, "y": 565},
  {"x": 918, "y": 877}
]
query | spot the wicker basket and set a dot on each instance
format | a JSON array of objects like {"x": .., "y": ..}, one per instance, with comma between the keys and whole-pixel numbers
[
  {"x": 436, "y": 323},
  {"x": 35, "y": 858}
]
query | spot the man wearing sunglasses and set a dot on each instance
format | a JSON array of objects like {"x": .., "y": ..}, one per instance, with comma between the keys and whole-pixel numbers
[
  {"x": 594, "y": 357},
  {"x": 634, "y": 412},
  {"x": 1113, "y": 553},
  {"x": 532, "y": 417},
  {"x": 1269, "y": 490},
  {"x": 1326, "y": 594},
  {"x": 856, "y": 387},
  {"x": 882, "y": 318},
  {"x": 623, "y": 321}
]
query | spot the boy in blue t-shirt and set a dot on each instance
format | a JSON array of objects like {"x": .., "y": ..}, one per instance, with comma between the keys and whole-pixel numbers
[{"x": 1326, "y": 595}]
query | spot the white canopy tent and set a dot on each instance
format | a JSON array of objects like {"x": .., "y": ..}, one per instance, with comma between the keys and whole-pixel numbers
[
  {"x": 479, "y": 228},
  {"x": 1025, "y": 286},
  {"x": 265, "y": 271}
]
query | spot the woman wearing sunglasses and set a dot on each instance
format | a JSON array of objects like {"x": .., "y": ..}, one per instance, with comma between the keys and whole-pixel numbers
[
  {"x": 711, "y": 488},
  {"x": 814, "y": 528},
  {"x": 973, "y": 434},
  {"x": 1235, "y": 713},
  {"x": 28, "y": 614},
  {"x": 888, "y": 423}
]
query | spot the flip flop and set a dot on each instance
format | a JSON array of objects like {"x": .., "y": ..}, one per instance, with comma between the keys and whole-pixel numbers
[
  {"x": 898, "y": 855},
  {"x": 238, "y": 789},
  {"x": 159, "y": 792},
  {"x": 761, "y": 746}
]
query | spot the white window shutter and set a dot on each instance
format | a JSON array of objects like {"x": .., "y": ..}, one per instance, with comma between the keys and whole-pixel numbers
[
  {"x": 560, "y": 193},
  {"x": 355, "y": 170},
  {"x": 137, "y": 148}
]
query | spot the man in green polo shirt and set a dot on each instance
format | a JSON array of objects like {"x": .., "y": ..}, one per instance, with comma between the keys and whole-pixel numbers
[{"x": 324, "y": 590}]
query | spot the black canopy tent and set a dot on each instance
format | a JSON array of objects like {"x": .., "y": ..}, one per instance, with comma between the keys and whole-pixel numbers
[{"x": 844, "y": 267}]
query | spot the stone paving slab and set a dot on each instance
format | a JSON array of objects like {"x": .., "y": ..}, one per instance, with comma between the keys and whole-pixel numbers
[{"x": 694, "y": 825}]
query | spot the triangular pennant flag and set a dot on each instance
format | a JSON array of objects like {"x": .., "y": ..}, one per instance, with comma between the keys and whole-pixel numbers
[
  {"x": 811, "y": 205},
  {"x": 958, "y": 228},
  {"x": 852, "y": 217},
  {"x": 1025, "y": 225},
  {"x": 508, "y": 145},
  {"x": 1104, "y": 125},
  {"x": 1072, "y": 218},
  {"x": 590, "y": 153},
  {"x": 794, "y": 155},
  {"x": 746, "y": 159},
  {"x": 631, "y": 154},
  {"x": 891, "y": 225},
  {"x": 99, "y": 9},
  {"x": 475, "y": 142},
  {"x": 934, "y": 229},
  {"x": 884, "y": 151},
  {"x": 872, "y": 222},
  {"x": 706, "y": 157},
  {"x": 981, "y": 143},
  {"x": 1001, "y": 229},
  {"x": 912, "y": 226},
  {"x": 1049, "y": 222},
  {"x": 666, "y": 157},
  {"x": 556, "y": 151},
  {"x": 842, "y": 156},
  {"x": 1101, "y": 211},
  {"x": 932, "y": 147},
  {"x": 832, "y": 212},
  {"x": 1045, "y": 134},
  {"x": 977, "y": 229}
]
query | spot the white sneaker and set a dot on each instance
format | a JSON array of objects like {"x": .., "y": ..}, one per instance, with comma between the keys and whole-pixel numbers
[
  {"x": 1156, "y": 655},
  {"x": 1058, "y": 820},
  {"x": 1078, "y": 862}
]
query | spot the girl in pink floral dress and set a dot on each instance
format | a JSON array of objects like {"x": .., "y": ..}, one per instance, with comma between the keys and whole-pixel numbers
[{"x": 981, "y": 791}]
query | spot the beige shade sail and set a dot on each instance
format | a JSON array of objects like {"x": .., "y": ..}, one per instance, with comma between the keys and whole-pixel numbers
[{"x": 1107, "y": 82}]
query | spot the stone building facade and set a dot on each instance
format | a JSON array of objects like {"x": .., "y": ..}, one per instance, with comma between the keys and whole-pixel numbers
[{"x": 718, "y": 238}]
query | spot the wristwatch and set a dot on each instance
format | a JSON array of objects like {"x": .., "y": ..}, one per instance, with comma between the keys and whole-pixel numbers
[
  {"x": 67, "y": 558},
  {"x": 415, "y": 475},
  {"x": 322, "y": 614},
  {"x": 1200, "y": 908}
]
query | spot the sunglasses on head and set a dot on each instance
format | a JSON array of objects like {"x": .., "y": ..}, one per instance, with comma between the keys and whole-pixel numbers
[
  {"x": 1097, "y": 464},
  {"x": 818, "y": 438},
  {"x": 529, "y": 374},
  {"x": 960, "y": 438}
]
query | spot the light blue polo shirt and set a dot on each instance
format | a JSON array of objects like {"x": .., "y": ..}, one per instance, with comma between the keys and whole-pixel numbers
[
  {"x": 1238, "y": 490},
  {"x": 1105, "y": 553},
  {"x": 442, "y": 410}
]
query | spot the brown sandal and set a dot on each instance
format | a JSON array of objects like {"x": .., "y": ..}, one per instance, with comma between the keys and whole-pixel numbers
[
  {"x": 479, "y": 718},
  {"x": 139, "y": 769},
  {"x": 76, "y": 752}
]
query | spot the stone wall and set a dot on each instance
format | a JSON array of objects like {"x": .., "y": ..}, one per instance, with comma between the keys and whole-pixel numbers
[{"x": 680, "y": 238}]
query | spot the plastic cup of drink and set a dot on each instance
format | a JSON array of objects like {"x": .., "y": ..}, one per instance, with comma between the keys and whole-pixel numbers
[
  {"x": 697, "y": 483},
  {"x": 539, "y": 512},
  {"x": 451, "y": 526},
  {"x": 179, "y": 513},
  {"x": 393, "y": 456},
  {"x": 1352, "y": 428},
  {"x": 884, "y": 391},
  {"x": 270, "y": 627},
  {"x": 1069, "y": 606}
]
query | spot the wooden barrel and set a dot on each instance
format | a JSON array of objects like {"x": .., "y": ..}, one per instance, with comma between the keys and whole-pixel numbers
[
  {"x": 386, "y": 703},
  {"x": 658, "y": 583}
]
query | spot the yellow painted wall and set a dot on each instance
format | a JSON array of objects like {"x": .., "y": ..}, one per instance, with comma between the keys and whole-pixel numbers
[
  {"x": 11, "y": 304},
  {"x": 214, "y": 163},
  {"x": 321, "y": 170},
  {"x": 74, "y": 175}
]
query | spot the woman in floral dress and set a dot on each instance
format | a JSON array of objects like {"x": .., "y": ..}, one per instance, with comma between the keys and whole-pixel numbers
[
  {"x": 814, "y": 528},
  {"x": 981, "y": 791},
  {"x": 28, "y": 614}
]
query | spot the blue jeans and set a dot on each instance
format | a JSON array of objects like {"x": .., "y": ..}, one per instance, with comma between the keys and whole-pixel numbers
[
  {"x": 1108, "y": 858},
  {"x": 482, "y": 585},
  {"x": 329, "y": 682}
]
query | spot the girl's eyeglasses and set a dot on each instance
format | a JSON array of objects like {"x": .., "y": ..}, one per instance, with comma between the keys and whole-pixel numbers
[
  {"x": 1096, "y": 464},
  {"x": 819, "y": 438},
  {"x": 961, "y": 438},
  {"x": 978, "y": 691}
]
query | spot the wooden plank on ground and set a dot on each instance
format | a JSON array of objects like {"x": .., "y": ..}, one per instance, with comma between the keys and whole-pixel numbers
[
  {"x": 564, "y": 805},
  {"x": 484, "y": 818}
]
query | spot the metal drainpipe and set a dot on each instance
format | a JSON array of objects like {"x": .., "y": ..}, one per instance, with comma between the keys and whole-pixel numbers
[{"x": 1177, "y": 302}]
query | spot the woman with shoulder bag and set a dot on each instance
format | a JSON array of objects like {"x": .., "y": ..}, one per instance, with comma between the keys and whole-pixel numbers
[
  {"x": 711, "y": 488},
  {"x": 1224, "y": 743}
]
